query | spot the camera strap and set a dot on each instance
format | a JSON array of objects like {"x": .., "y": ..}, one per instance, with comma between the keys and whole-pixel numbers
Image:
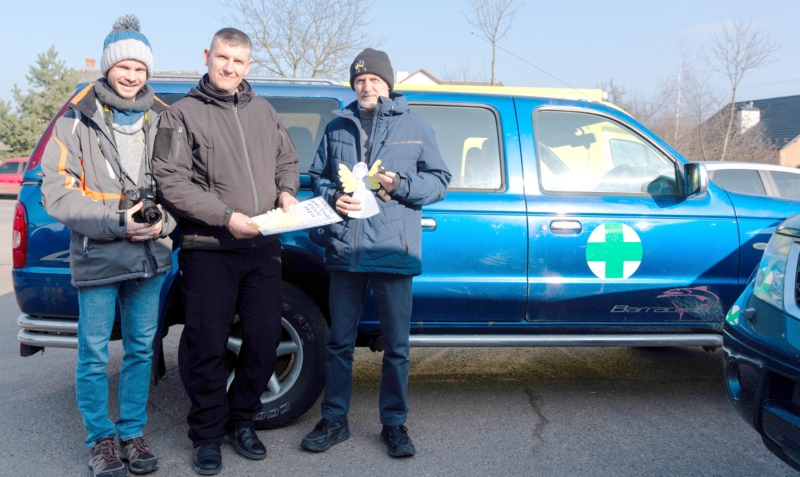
[{"x": 108, "y": 117}]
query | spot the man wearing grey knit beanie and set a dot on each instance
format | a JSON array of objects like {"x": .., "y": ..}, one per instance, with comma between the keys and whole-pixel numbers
[{"x": 100, "y": 152}]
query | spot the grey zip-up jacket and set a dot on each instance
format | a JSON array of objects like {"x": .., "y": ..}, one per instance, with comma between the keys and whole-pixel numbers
[
  {"x": 216, "y": 154},
  {"x": 81, "y": 189}
]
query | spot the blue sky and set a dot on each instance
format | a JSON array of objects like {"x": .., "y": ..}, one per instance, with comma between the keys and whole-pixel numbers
[{"x": 637, "y": 43}]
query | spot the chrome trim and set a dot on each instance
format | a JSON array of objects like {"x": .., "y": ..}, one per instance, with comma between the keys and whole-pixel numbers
[
  {"x": 655, "y": 340},
  {"x": 47, "y": 324},
  {"x": 253, "y": 79},
  {"x": 565, "y": 226},
  {"x": 428, "y": 223},
  {"x": 46, "y": 340}
]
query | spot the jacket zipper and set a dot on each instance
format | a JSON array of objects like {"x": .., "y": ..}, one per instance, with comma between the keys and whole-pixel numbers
[
  {"x": 405, "y": 242},
  {"x": 371, "y": 150},
  {"x": 246, "y": 155}
]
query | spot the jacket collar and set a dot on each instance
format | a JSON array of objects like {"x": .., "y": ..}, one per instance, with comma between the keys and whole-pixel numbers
[
  {"x": 208, "y": 94},
  {"x": 393, "y": 105},
  {"x": 86, "y": 103}
]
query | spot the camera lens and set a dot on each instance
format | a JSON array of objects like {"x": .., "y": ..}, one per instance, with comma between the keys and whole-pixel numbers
[{"x": 150, "y": 212}]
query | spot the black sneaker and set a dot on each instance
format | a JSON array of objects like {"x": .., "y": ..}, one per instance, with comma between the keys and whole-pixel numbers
[
  {"x": 397, "y": 441},
  {"x": 326, "y": 434},
  {"x": 140, "y": 458},
  {"x": 104, "y": 461}
]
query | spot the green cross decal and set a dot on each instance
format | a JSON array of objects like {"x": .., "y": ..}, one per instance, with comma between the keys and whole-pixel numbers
[{"x": 614, "y": 251}]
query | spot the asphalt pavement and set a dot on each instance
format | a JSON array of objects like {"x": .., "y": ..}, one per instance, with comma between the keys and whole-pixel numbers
[{"x": 474, "y": 411}]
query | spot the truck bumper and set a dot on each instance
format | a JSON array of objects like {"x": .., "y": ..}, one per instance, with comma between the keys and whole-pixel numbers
[{"x": 46, "y": 333}]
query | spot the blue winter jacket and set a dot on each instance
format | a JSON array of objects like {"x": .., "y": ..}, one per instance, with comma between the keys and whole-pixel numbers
[{"x": 391, "y": 241}]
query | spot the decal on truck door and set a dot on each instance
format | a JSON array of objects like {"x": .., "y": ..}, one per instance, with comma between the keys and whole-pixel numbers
[{"x": 614, "y": 251}]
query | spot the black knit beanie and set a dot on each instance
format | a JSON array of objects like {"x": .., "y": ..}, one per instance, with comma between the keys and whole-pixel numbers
[{"x": 374, "y": 62}]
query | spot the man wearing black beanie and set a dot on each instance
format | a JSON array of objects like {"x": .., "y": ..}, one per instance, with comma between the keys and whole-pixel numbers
[{"x": 384, "y": 250}]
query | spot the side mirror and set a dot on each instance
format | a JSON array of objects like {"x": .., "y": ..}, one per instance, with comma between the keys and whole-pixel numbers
[{"x": 696, "y": 179}]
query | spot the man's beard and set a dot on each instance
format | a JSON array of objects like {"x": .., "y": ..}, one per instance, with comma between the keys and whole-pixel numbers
[{"x": 369, "y": 103}]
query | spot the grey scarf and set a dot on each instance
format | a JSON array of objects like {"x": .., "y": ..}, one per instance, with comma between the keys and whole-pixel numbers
[{"x": 107, "y": 95}]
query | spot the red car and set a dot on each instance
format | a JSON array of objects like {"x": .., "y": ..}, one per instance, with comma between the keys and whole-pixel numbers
[{"x": 11, "y": 175}]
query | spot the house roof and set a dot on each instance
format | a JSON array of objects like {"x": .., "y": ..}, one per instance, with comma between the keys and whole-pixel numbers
[
  {"x": 421, "y": 72},
  {"x": 780, "y": 117}
]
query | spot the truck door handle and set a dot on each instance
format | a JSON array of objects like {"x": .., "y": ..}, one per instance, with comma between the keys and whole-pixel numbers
[
  {"x": 565, "y": 227},
  {"x": 428, "y": 223}
]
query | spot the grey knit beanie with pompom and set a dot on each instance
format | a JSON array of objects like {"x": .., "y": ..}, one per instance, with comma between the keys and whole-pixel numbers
[{"x": 125, "y": 42}]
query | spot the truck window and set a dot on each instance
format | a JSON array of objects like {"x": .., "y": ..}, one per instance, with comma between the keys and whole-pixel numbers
[
  {"x": 579, "y": 152},
  {"x": 468, "y": 138},
  {"x": 744, "y": 181},
  {"x": 9, "y": 168},
  {"x": 305, "y": 120},
  {"x": 788, "y": 184}
]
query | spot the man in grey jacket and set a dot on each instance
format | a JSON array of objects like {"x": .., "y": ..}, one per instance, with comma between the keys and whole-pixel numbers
[
  {"x": 223, "y": 156},
  {"x": 101, "y": 148}
]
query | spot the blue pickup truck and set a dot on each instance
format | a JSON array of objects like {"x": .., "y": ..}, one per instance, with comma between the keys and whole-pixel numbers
[{"x": 566, "y": 223}]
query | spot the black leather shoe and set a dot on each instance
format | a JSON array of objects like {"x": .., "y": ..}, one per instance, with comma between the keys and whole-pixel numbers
[
  {"x": 325, "y": 434},
  {"x": 246, "y": 442},
  {"x": 207, "y": 459},
  {"x": 397, "y": 441}
]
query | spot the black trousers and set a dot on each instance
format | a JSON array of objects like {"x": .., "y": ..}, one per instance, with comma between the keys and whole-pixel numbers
[{"x": 213, "y": 283}]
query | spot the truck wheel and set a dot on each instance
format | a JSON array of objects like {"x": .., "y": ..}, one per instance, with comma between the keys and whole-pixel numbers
[{"x": 299, "y": 374}]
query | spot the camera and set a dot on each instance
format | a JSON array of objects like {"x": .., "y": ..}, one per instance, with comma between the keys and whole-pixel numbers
[{"x": 149, "y": 212}]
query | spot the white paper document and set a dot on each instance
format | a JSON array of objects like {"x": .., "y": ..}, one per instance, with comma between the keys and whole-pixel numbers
[{"x": 303, "y": 215}]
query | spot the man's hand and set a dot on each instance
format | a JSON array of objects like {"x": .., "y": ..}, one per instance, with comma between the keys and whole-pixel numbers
[
  {"x": 239, "y": 226},
  {"x": 132, "y": 228},
  {"x": 149, "y": 232},
  {"x": 286, "y": 201},
  {"x": 346, "y": 204},
  {"x": 387, "y": 180}
]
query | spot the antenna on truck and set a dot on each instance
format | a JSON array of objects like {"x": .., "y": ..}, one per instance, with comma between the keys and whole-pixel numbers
[{"x": 531, "y": 64}]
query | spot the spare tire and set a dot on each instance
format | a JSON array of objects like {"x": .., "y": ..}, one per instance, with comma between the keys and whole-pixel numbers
[{"x": 299, "y": 375}]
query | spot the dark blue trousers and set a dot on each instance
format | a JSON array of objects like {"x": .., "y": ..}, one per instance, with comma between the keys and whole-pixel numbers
[{"x": 393, "y": 301}]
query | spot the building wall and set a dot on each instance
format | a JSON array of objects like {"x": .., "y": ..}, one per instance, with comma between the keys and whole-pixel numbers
[{"x": 790, "y": 155}]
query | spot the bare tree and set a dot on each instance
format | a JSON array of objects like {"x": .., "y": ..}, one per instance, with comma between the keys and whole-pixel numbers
[
  {"x": 493, "y": 18},
  {"x": 735, "y": 51},
  {"x": 643, "y": 108},
  {"x": 303, "y": 38},
  {"x": 703, "y": 122},
  {"x": 464, "y": 73}
]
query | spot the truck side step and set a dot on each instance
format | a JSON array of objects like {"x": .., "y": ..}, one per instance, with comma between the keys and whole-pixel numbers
[{"x": 644, "y": 340}]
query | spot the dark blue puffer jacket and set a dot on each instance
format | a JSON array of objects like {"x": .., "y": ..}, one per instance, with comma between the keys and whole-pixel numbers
[{"x": 390, "y": 242}]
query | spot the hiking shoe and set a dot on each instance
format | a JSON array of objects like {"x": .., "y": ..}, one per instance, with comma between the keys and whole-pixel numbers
[
  {"x": 207, "y": 459},
  {"x": 247, "y": 443},
  {"x": 103, "y": 459},
  {"x": 397, "y": 441},
  {"x": 325, "y": 434},
  {"x": 140, "y": 458}
]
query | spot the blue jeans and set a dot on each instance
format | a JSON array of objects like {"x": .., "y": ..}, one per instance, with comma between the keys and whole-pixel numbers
[
  {"x": 393, "y": 300},
  {"x": 138, "y": 303}
]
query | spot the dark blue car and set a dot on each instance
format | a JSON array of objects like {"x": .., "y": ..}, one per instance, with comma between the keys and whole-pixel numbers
[
  {"x": 761, "y": 347},
  {"x": 566, "y": 223}
]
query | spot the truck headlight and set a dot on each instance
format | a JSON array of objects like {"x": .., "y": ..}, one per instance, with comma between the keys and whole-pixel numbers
[{"x": 772, "y": 270}]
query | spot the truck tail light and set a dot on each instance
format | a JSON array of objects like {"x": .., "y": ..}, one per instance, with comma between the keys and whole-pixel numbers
[
  {"x": 38, "y": 150},
  {"x": 19, "y": 236}
]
